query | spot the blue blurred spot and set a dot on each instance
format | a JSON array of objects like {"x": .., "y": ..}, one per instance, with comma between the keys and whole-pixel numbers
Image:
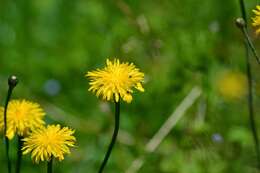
[
  {"x": 52, "y": 87},
  {"x": 217, "y": 138}
]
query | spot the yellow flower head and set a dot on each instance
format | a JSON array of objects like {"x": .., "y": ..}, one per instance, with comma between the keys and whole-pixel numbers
[
  {"x": 116, "y": 80},
  {"x": 22, "y": 117},
  {"x": 256, "y": 19},
  {"x": 47, "y": 142},
  {"x": 232, "y": 85}
]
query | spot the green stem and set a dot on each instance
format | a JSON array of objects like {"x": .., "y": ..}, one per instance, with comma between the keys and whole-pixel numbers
[
  {"x": 249, "y": 45},
  {"x": 49, "y": 165},
  {"x": 5, "y": 129},
  {"x": 243, "y": 10},
  {"x": 19, "y": 154},
  {"x": 116, "y": 129},
  {"x": 245, "y": 31},
  {"x": 251, "y": 110},
  {"x": 12, "y": 82}
]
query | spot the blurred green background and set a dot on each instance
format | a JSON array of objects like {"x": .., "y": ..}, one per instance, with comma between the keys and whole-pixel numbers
[{"x": 51, "y": 44}]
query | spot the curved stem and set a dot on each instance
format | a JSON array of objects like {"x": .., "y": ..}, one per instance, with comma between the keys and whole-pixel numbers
[
  {"x": 248, "y": 44},
  {"x": 243, "y": 10},
  {"x": 9, "y": 93},
  {"x": 251, "y": 111},
  {"x": 116, "y": 129},
  {"x": 245, "y": 31},
  {"x": 49, "y": 165},
  {"x": 19, "y": 154}
]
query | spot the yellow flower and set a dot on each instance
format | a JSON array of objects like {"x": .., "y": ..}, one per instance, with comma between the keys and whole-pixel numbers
[
  {"x": 47, "y": 142},
  {"x": 256, "y": 19},
  {"x": 232, "y": 85},
  {"x": 116, "y": 80},
  {"x": 22, "y": 117}
]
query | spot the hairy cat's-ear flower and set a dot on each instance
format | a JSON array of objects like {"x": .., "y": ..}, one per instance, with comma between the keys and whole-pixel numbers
[
  {"x": 49, "y": 142},
  {"x": 22, "y": 117},
  {"x": 116, "y": 80},
  {"x": 256, "y": 19}
]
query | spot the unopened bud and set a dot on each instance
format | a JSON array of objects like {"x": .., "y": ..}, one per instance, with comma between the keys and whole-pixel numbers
[
  {"x": 12, "y": 81},
  {"x": 240, "y": 22}
]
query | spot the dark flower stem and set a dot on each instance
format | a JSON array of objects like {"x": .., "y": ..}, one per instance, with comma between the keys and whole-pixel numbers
[
  {"x": 12, "y": 82},
  {"x": 244, "y": 29},
  {"x": 49, "y": 165},
  {"x": 248, "y": 45},
  {"x": 19, "y": 154},
  {"x": 251, "y": 110},
  {"x": 117, "y": 119},
  {"x": 243, "y": 10}
]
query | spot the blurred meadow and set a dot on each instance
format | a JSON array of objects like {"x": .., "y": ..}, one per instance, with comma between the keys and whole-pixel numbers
[{"x": 179, "y": 45}]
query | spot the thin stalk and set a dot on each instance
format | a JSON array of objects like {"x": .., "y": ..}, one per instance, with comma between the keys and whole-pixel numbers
[
  {"x": 49, "y": 165},
  {"x": 12, "y": 82},
  {"x": 245, "y": 31},
  {"x": 248, "y": 46},
  {"x": 251, "y": 109},
  {"x": 116, "y": 129},
  {"x": 5, "y": 129},
  {"x": 19, "y": 154},
  {"x": 243, "y": 10}
]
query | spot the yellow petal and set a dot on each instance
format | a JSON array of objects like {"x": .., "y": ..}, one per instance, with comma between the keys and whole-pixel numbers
[
  {"x": 139, "y": 87},
  {"x": 128, "y": 98}
]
